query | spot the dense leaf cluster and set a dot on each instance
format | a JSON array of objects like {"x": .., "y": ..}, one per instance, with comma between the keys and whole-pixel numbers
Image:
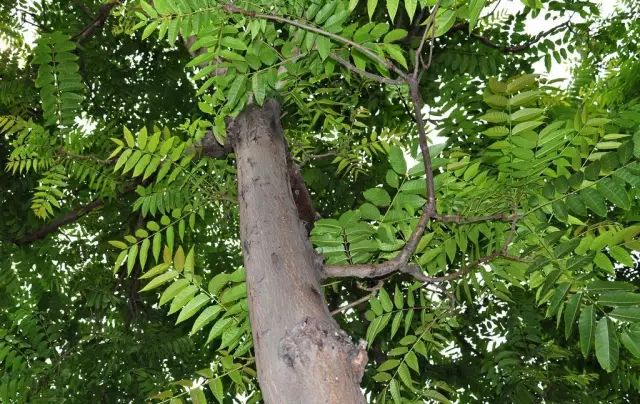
[{"x": 121, "y": 277}]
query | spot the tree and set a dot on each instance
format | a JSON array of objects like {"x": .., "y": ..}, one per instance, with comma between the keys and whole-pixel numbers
[{"x": 266, "y": 172}]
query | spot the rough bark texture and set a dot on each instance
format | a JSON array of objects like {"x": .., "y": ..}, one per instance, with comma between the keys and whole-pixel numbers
[{"x": 302, "y": 355}]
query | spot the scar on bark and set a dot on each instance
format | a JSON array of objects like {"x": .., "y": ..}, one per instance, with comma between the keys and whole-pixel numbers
[{"x": 313, "y": 336}]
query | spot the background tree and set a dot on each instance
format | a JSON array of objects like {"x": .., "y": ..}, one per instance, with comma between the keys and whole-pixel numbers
[{"x": 191, "y": 142}]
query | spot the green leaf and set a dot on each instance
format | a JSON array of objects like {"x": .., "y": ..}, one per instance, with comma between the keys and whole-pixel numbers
[
  {"x": 128, "y": 137},
  {"x": 159, "y": 280},
  {"x": 197, "y": 396},
  {"x": 394, "y": 35},
  {"x": 172, "y": 291},
  {"x": 619, "y": 298},
  {"x": 119, "y": 244},
  {"x": 385, "y": 300},
  {"x": 192, "y": 307},
  {"x": 323, "y": 45},
  {"x": 397, "y": 161},
  {"x": 207, "y": 316},
  {"x": 525, "y": 126},
  {"x": 218, "y": 328},
  {"x": 377, "y": 196},
  {"x": 371, "y": 7},
  {"x": 398, "y": 299},
  {"x": 560, "y": 210},
  {"x": 614, "y": 192},
  {"x": 629, "y": 314},
  {"x": 392, "y": 9},
  {"x": 259, "y": 88},
  {"x": 410, "y": 6},
  {"x": 558, "y": 298},
  {"x": 571, "y": 314},
  {"x": 594, "y": 201},
  {"x": 388, "y": 365},
  {"x": 131, "y": 258},
  {"x": 233, "y": 43},
  {"x": 631, "y": 340},
  {"x": 587, "y": 328},
  {"x": 607, "y": 345},
  {"x": 395, "y": 52},
  {"x": 475, "y": 7}
]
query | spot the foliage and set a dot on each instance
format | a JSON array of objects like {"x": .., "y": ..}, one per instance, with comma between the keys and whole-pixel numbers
[{"x": 121, "y": 276}]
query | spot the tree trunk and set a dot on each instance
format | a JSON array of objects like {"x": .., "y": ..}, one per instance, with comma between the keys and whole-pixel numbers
[{"x": 302, "y": 355}]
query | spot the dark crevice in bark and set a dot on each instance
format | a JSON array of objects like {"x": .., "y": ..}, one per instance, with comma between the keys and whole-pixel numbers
[{"x": 302, "y": 355}]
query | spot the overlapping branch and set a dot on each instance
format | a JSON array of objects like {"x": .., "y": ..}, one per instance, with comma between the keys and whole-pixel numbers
[{"x": 401, "y": 261}]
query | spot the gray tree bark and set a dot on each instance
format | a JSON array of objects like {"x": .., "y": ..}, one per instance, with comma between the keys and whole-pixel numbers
[{"x": 302, "y": 355}]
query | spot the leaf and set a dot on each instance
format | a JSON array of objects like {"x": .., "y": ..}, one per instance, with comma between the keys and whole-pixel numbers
[
  {"x": 397, "y": 161},
  {"x": 619, "y": 298},
  {"x": 631, "y": 340},
  {"x": 371, "y": 7},
  {"x": 525, "y": 126},
  {"x": 571, "y": 314},
  {"x": 207, "y": 316},
  {"x": 392, "y": 9},
  {"x": 155, "y": 271},
  {"x": 157, "y": 246},
  {"x": 410, "y": 6},
  {"x": 388, "y": 365},
  {"x": 131, "y": 258},
  {"x": 157, "y": 281},
  {"x": 607, "y": 345},
  {"x": 405, "y": 375},
  {"x": 197, "y": 396},
  {"x": 233, "y": 43},
  {"x": 475, "y": 7},
  {"x": 323, "y": 45},
  {"x": 218, "y": 328},
  {"x": 614, "y": 192},
  {"x": 377, "y": 196},
  {"x": 259, "y": 88},
  {"x": 394, "y": 35},
  {"x": 558, "y": 298},
  {"x": 128, "y": 137},
  {"x": 412, "y": 360},
  {"x": 385, "y": 300},
  {"x": 587, "y": 328},
  {"x": 594, "y": 201},
  {"x": 192, "y": 307},
  {"x": 398, "y": 299},
  {"x": 172, "y": 291},
  {"x": 629, "y": 314},
  {"x": 119, "y": 244},
  {"x": 395, "y": 52}
]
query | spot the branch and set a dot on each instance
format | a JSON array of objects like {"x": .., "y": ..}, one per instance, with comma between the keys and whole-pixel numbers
[
  {"x": 98, "y": 21},
  {"x": 511, "y": 48},
  {"x": 363, "y": 299},
  {"x": 401, "y": 262},
  {"x": 60, "y": 221},
  {"x": 371, "y": 76},
  {"x": 231, "y": 9}
]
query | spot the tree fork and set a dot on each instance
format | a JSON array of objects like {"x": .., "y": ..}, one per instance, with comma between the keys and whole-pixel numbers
[{"x": 302, "y": 355}]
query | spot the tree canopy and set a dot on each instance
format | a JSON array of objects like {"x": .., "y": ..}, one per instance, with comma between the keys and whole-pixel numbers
[{"x": 476, "y": 222}]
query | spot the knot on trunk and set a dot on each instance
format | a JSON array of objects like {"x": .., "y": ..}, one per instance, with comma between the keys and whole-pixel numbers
[
  {"x": 253, "y": 121},
  {"x": 314, "y": 341}
]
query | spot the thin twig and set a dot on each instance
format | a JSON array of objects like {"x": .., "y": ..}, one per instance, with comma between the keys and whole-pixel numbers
[
  {"x": 363, "y": 299},
  {"x": 230, "y": 8}
]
